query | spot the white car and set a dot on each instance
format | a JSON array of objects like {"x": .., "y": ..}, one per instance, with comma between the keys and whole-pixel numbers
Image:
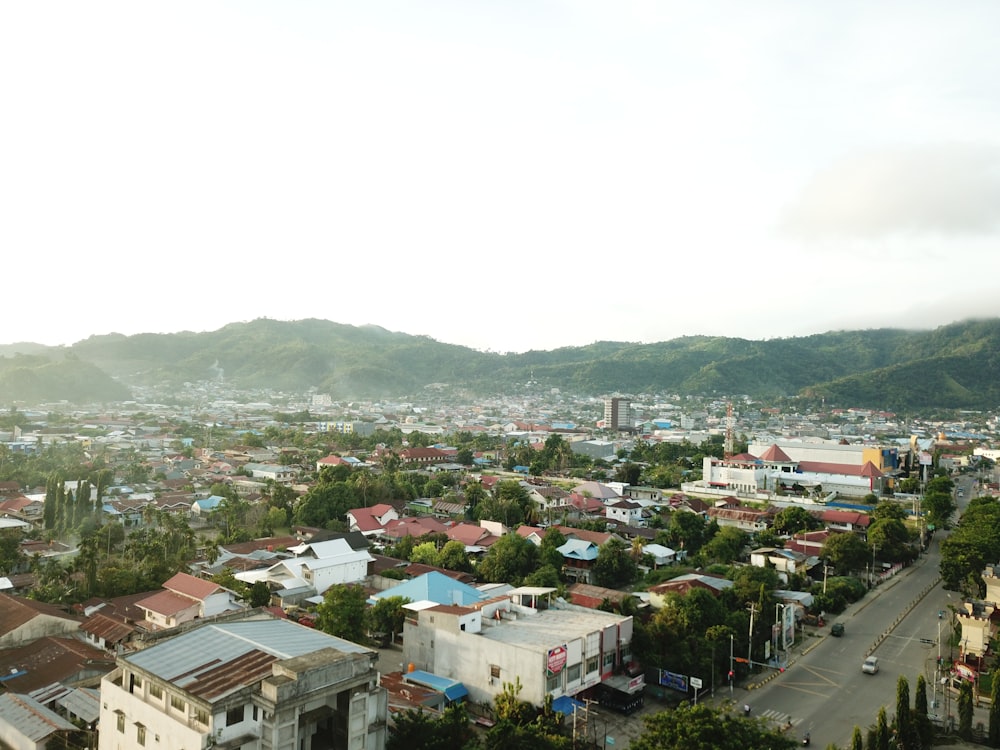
[{"x": 870, "y": 665}]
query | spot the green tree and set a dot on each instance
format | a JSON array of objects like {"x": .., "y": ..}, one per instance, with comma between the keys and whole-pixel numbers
[
  {"x": 705, "y": 726},
  {"x": 454, "y": 557},
  {"x": 425, "y": 554},
  {"x": 922, "y": 721},
  {"x": 846, "y": 552},
  {"x": 794, "y": 519},
  {"x": 965, "y": 711},
  {"x": 415, "y": 729},
  {"x": 614, "y": 566},
  {"x": 939, "y": 507},
  {"x": 387, "y": 616},
  {"x": 342, "y": 613},
  {"x": 687, "y": 531},
  {"x": 509, "y": 560},
  {"x": 907, "y": 737},
  {"x": 882, "y": 734},
  {"x": 994, "y": 728},
  {"x": 726, "y": 546},
  {"x": 857, "y": 739},
  {"x": 259, "y": 594}
]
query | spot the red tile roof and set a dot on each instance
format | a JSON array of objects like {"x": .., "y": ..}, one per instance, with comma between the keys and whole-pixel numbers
[
  {"x": 167, "y": 603},
  {"x": 774, "y": 453},
  {"x": 190, "y": 586}
]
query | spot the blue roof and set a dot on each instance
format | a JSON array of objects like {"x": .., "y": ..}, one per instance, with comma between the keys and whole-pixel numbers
[
  {"x": 434, "y": 587},
  {"x": 564, "y": 704},
  {"x": 209, "y": 503},
  {"x": 452, "y": 689},
  {"x": 578, "y": 549}
]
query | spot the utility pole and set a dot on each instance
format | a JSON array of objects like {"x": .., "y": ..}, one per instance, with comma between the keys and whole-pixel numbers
[
  {"x": 731, "y": 671},
  {"x": 753, "y": 611}
]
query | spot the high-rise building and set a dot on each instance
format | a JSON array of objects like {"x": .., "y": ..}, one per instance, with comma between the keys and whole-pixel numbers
[{"x": 617, "y": 413}]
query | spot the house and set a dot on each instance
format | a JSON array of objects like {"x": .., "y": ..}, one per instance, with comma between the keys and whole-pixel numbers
[
  {"x": 19, "y": 506},
  {"x": 315, "y": 568},
  {"x": 845, "y": 520},
  {"x": 52, "y": 659},
  {"x": 251, "y": 683},
  {"x": 432, "y": 587},
  {"x": 627, "y": 512},
  {"x": 371, "y": 521},
  {"x": 743, "y": 519},
  {"x": 978, "y": 628},
  {"x": 661, "y": 555},
  {"x": 26, "y": 723},
  {"x": 579, "y": 556},
  {"x": 186, "y": 598},
  {"x": 24, "y": 620},
  {"x": 683, "y": 584},
  {"x": 785, "y": 561},
  {"x": 106, "y": 632}
]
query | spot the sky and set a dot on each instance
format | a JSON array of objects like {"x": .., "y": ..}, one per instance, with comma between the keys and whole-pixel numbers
[{"x": 501, "y": 175}]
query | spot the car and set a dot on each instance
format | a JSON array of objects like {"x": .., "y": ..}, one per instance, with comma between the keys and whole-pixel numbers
[
  {"x": 837, "y": 629},
  {"x": 870, "y": 665}
]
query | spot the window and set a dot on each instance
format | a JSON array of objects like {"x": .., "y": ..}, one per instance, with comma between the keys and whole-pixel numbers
[
  {"x": 140, "y": 734},
  {"x": 495, "y": 671},
  {"x": 609, "y": 661},
  {"x": 155, "y": 691},
  {"x": 121, "y": 723},
  {"x": 573, "y": 673},
  {"x": 255, "y": 713},
  {"x": 176, "y": 703},
  {"x": 553, "y": 682},
  {"x": 234, "y": 715},
  {"x": 201, "y": 716},
  {"x": 593, "y": 664}
]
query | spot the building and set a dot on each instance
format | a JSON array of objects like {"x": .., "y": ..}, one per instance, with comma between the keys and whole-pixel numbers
[
  {"x": 554, "y": 648},
  {"x": 617, "y": 413},
  {"x": 249, "y": 684}
]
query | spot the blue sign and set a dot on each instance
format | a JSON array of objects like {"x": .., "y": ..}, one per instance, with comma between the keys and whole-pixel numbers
[{"x": 674, "y": 681}]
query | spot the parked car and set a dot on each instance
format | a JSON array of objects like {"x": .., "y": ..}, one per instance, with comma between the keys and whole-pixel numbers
[
  {"x": 837, "y": 629},
  {"x": 870, "y": 665}
]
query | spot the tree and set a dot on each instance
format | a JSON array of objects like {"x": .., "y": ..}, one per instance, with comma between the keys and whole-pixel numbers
[
  {"x": 259, "y": 594},
  {"x": 891, "y": 537},
  {"x": 881, "y": 731},
  {"x": 687, "y": 531},
  {"x": 994, "y": 730},
  {"x": 965, "y": 710},
  {"x": 907, "y": 737},
  {"x": 793, "y": 519},
  {"x": 387, "y": 615},
  {"x": 705, "y": 726},
  {"x": 425, "y": 554},
  {"x": 925, "y": 729},
  {"x": 509, "y": 560},
  {"x": 939, "y": 507},
  {"x": 846, "y": 552},
  {"x": 415, "y": 729},
  {"x": 454, "y": 557},
  {"x": 726, "y": 546},
  {"x": 857, "y": 740},
  {"x": 342, "y": 612},
  {"x": 614, "y": 566}
]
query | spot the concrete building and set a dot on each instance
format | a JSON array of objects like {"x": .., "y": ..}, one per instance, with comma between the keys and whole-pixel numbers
[
  {"x": 250, "y": 684},
  {"x": 617, "y": 413},
  {"x": 553, "y": 647}
]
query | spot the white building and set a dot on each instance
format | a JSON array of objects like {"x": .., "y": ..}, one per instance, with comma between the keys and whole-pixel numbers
[
  {"x": 554, "y": 648},
  {"x": 252, "y": 684},
  {"x": 317, "y": 565}
]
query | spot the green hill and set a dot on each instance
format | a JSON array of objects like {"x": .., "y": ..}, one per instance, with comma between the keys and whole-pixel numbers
[{"x": 955, "y": 366}]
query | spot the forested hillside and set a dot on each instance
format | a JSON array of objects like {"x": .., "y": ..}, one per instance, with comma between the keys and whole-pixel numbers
[{"x": 956, "y": 366}]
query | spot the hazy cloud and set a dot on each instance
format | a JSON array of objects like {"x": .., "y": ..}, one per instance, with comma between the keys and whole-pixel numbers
[{"x": 950, "y": 189}]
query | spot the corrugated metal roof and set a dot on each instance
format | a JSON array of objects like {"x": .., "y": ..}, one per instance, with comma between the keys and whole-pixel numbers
[
  {"x": 216, "y": 659},
  {"x": 29, "y": 718}
]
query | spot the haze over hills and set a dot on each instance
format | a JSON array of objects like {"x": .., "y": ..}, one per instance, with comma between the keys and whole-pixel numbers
[{"x": 954, "y": 366}]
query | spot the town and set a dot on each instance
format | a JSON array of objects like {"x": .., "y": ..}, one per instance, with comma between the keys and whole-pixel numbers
[{"x": 214, "y": 568}]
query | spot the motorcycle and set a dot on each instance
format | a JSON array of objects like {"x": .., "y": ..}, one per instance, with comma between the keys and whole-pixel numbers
[{"x": 806, "y": 740}]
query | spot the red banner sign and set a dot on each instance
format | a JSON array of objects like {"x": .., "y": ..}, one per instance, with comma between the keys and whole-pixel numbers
[{"x": 557, "y": 659}]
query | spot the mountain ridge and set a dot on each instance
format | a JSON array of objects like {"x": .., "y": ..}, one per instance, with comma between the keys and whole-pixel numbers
[{"x": 953, "y": 366}]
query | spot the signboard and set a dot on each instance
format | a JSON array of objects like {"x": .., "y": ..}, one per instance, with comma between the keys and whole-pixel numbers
[
  {"x": 964, "y": 671},
  {"x": 556, "y": 660},
  {"x": 695, "y": 682},
  {"x": 674, "y": 681}
]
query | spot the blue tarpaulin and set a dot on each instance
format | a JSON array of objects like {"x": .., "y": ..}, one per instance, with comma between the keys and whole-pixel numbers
[
  {"x": 452, "y": 689},
  {"x": 564, "y": 704}
]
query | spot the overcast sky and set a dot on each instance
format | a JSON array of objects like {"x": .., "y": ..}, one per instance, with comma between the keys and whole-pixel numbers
[{"x": 502, "y": 175}]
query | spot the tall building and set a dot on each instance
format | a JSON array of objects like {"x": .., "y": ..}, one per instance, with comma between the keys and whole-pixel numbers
[
  {"x": 617, "y": 413},
  {"x": 252, "y": 684}
]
